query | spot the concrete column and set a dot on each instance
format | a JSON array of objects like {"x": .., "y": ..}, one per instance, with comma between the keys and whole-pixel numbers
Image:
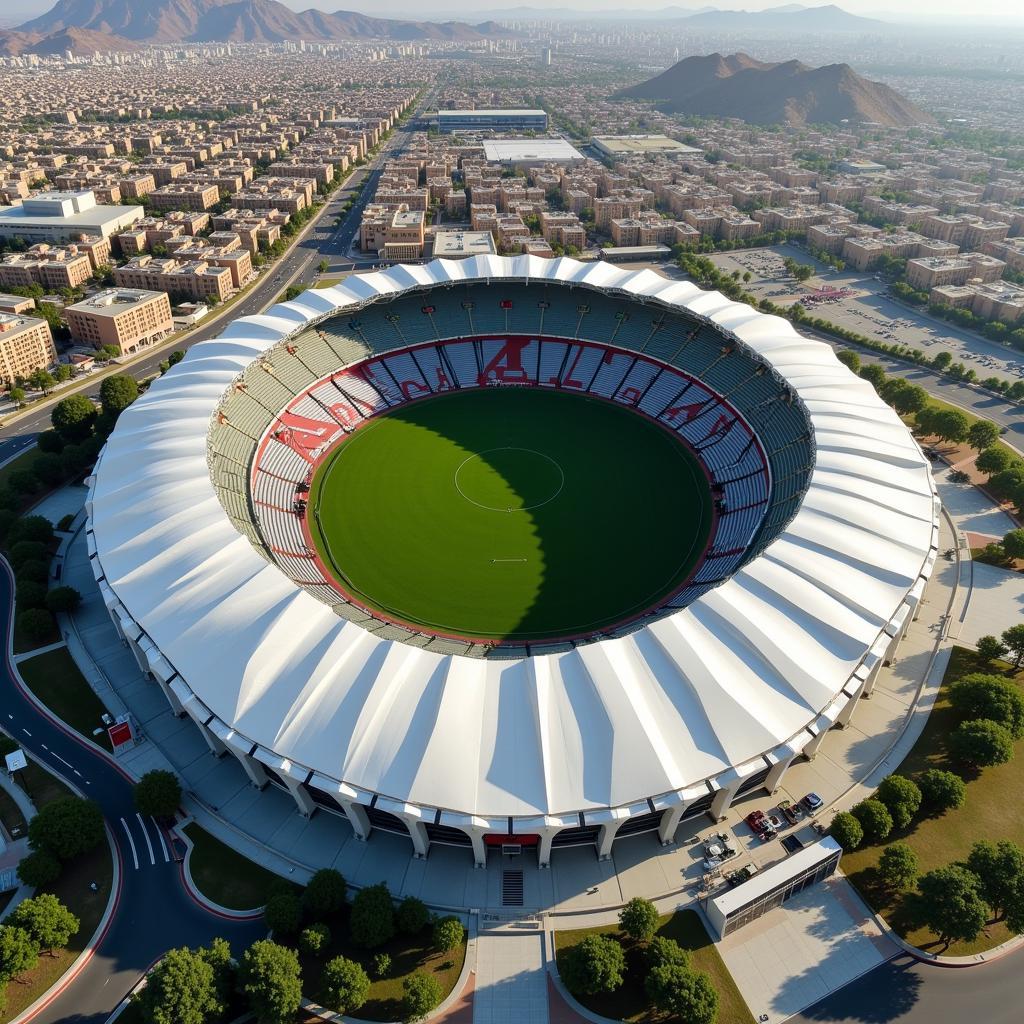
[
  {"x": 729, "y": 784},
  {"x": 606, "y": 837},
  {"x": 544, "y": 849},
  {"x": 217, "y": 748},
  {"x": 357, "y": 818},
  {"x": 418, "y": 834},
  {"x": 820, "y": 729},
  {"x": 783, "y": 759},
  {"x": 257, "y": 776},
  {"x": 479, "y": 847},
  {"x": 240, "y": 749},
  {"x": 177, "y": 709},
  {"x": 305, "y": 803},
  {"x": 547, "y": 827},
  {"x": 857, "y": 688}
]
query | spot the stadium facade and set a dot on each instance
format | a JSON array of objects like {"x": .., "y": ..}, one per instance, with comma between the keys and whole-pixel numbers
[{"x": 826, "y": 535}]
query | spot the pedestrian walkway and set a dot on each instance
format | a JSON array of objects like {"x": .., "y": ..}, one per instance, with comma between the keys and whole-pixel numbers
[
  {"x": 19, "y": 658},
  {"x": 511, "y": 981}
]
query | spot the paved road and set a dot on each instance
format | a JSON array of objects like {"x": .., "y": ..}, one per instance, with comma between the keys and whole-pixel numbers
[
  {"x": 905, "y": 991},
  {"x": 155, "y": 910}
]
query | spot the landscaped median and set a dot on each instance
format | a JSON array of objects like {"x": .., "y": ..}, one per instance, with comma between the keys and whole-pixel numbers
[
  {"x": 933, "y": 869},
  {"x": 223, "y": 875}
]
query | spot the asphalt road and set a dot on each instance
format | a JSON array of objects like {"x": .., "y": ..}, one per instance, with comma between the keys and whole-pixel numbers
[{"x": 155, "y": 911}]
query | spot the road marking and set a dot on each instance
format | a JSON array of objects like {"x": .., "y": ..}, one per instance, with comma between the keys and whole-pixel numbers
[
  {"x": 131, "y": 843},
  {"x": 160, "y": 836},
  {"x": 145, "y": 832},
  {"x": 62, "y": 761},
  {"x": 44, "y": 746},
  {"x": 25, "y": 731}
]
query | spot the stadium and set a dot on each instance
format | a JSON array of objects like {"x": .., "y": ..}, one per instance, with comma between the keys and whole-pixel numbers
[{"x": 512, "y": 551}]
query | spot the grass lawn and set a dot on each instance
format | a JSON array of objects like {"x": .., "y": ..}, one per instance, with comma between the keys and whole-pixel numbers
[
  {"x": 630, "y": 1003},
  {"x": 409, "y": 953},
  {"x": 989, "y": 813},
  {"x": 485, "y": 514},
  {"x": 225, "y": 876},
  {"x": 22, "y": 644},
  {"x": 56, "y": 680}
]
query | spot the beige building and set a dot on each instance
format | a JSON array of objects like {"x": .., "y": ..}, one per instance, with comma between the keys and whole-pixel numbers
[
  {"x": 126, "y": 318},
  {"x": 26, "y": 345},
  {"x": 194, "y": 280},
  {"x": 52, "y": 268},
  {"x": 185, "y": 196}
]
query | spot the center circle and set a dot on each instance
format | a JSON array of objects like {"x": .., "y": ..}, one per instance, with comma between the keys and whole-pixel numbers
[{"x": 509, "y": 479}]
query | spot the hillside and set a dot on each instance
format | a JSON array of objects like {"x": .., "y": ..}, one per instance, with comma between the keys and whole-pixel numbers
[
  {"x": 791, "y": 19},
  {"x": 786, "y": 93},
  {"x": 238, "y": 21},
  {"x": 78, "y": 41}
]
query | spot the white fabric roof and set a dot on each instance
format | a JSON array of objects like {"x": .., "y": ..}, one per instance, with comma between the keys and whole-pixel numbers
[{"x": 739, "y": 672}]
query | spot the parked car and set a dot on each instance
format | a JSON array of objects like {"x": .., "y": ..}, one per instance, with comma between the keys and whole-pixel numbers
[
  {"x": 775, "y": 821},
  {"x": 791, "y": 844},
  {"x": 792, "y": 812},
  {"x": 739, "y": 877},
  {"x": 812, "y": 801},
  {"x": 760, "y": 825}
]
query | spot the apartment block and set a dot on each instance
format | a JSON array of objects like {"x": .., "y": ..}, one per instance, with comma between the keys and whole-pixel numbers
[
  {"x": 52, "y": 268},
  {"x": 127, "y": 318},
  {"x": 196, "y": 280},
  {"x": 26, "y": 345},
  {"x": 185, "y": 196}
]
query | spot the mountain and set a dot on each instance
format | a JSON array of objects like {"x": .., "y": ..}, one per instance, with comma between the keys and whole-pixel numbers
[
  {"x": 237, "y": 21},
  {"x": 791, "y": 18},
  {"x": 760, "y": 93},
  {"x": 80, "y": 41}
]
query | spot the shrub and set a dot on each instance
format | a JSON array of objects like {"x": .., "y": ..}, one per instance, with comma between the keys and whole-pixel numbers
[
  {"x": 448, "y": 934},
  {"x": 639, "y": 919},
  {"x": 345, "y": 985},
  {"x": 158, "y": 793},
  {"x": 50, "y": 441},
  {"x": 48, "y": 468},
  {"x": 874, "y": 818},
  {"x": 420, "y": 994},
  {"x": 282, "y": 912},
  {"x": 381, "y": 965},
  {"x": 902, "y": 797},
  {"x": 991, "y": 697},
  {"x": 412, "y": 916},
  {"x": 35, "y": 624},
  {"x": 66, "y": 522},
  {"x": 325, "y": 894},
  {"x": 846, "y": 830},
  {"x": 63, "y": 599},
  {"x": 941, "y": 790},
  {"x": 66, "y": 827},
  {"x": 980, "y": 743},
  {"x": 372, "y": 921},
  {"x": 38, "y": 869},
  {"x": 594, "y": 965},
  {"x": 37, "y": 528},
  {"x": 23, "y": 481},
  {"x": 26, "y": 551},
  {"x": 36, "y": 571},
  {"x": 30, "y": 594},
  {"x": 898, "y": 866},
  {"x": 314, "y": 938}
]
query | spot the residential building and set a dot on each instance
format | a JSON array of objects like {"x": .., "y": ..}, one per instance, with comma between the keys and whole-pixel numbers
[
  {"x": 126, "y": 318},
  {"x": 26, "y": 345}
]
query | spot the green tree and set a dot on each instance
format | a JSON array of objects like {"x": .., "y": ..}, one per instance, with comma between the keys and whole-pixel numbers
[
  {"x": 18, "y": 953},
  {"x": 269, "y": 978},
  {"x": 592, "y": 966},
  {"x": 980, "y": 743},
  {"x": 898, "y": 866},
  {"x": 66, "y": 827},
  {"x": 901, "y": 796},
  {"x": 639, "y": 919},
  {"x": 34, "y": 623},
  {"x": 218, "y": 956},
  {"x": 158, "y": 793},
  {"x": 990, "y": 648},
  {"x": 1000, "y": 870},
  {"x": 372, "y": 921},
  {"x": 23, "y": 481},
  {"x": 18, "y": 396},
  {"x": 874, "y": 818},
  {"x": 903, "y": 396},
  {"x": 47, "y": 920},
  {"x": 993, "y": 460},
  {"x": 314, "y": 938},
  {"x": 1013, "y": 543},
  {"x": 50, "y": 441},
  {"x": 982, "y": 434},
  {"x": 951, "y": 904},
  {"x": 941, "y": 791},
  {"x": 73, "y": 417},
  {"x": 283, "y": 912},
  {"x": 412, "y": 916},
  {"x": 448, "y": 934},
  {"x": 48, "y": 468},
  {"x": 181, "y": 989},
  {"x": 63, "y": 599},
  {"x": 685, "y": 994},
  {"x": 118, "y": 392},
  {"x": 950, "y": 425},
  {"x": 988, "y": 696},
  {"x": 662, "y": 951},
  {"x": 325, "y": 894},
  {"x": 847, "y": 831},
  {"x": 421, "y": 992},
  {"x": 26, "y": 551},
  {"x": 1013, "y": 638},
  {"x": 874, "y": 373},
  {"x": 34, "y": 528},
  {"x": 381, "y": 965},
  {"x": 345, "y": 985},
  {"x": 39, "y": 868},
  {"x": 850, "y": 359}
]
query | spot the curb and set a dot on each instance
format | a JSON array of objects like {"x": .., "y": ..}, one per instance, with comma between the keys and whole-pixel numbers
[{"x": 196, "y": 893}]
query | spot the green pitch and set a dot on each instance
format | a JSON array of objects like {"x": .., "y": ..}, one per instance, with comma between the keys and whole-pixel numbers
[{"x": 512, "y": 515}]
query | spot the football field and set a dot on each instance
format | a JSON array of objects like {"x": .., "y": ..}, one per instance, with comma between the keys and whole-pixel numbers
[{"x": 510, "y": 514}]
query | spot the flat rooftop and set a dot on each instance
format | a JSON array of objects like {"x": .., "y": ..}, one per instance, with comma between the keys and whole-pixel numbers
[
  {"x": 531, "y": 151},
  {"x": 510, "y": 112},
  {"x": 463, "y": 243},
  {"x": 626, "y": 144},
  {"x": 113, "y": 301}
]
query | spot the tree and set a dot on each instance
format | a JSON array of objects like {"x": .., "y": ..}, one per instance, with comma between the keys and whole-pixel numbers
[
  {"x": 987, "y": 696},
  {"x": 898, "y": 866},
  {"x": 18, "y": 396},
  {"x": 325, "y": 894},
  {"x": 850, "y": 359},
  {"x": 283, "y": 912},
  {"x": 980, "y": 743},
  {"x": 73, "y": 417},
  {"x": 847, "y": 831},
  {"x": 42, "y": 381},
  {"x": 874, "y": 818},
  {"x": 24, "y": 481},
  {"x": 47, "y": 467},
  {"x": 314, "y": 938},
  {"x": 47, "y": 920},
  {"x": 18, "y": 953},
  {"x": 39, "y": 868},
  {"x": 34, "y": 623},
  {"x": 118, "y": 392},
  {"x": 345, "y": 985},
  {"x": 448, "y": 934},
  {"x": 873, "y": 373},
  {"x": 412, "y": 916},
  {"x": 903, "y": 396},
  {"x": 950, "y": 425},
  {"x": 420, "y": 994},
  {"x": 662, "y": 951},
  {"x": 901, "y": 796},
  {"x": 181, "y": 989},
  {"x": 1000, "y": 870},
  {"x": 1013, "y": 543},
  {"x": 982, "y": 434},
  {"x": 990, "y": 648},
  {"x": 372, "y": 921},
  {"x": 26, "y": 551},
  {"x": 941, "y": 791},
  {"x": 951, "y": 903},
  {"x": 639, "y": 919},
  {"x": 593, "y": 966},
  {"x": 687, "y": 995},
  {"x": 63, "y": 599},
  {"x": 66, "y": 827},
  {"x": 158, "y": 794},
  {"x": 269, "y": 978},
  {"x": 218, "y": 956},
  {"x": 993, "y": 460},
  {"x": 1013, "y": 638}
]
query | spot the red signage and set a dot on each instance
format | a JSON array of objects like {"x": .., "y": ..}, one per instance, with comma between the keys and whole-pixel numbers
[{"x": 120, "y": 734}]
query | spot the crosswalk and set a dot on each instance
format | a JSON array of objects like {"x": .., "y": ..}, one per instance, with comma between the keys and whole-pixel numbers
[{"x": 155, "y": 853}]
